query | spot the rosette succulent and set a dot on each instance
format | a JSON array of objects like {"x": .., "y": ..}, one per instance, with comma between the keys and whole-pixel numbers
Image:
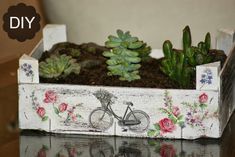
[{"x": 58, "y": 66}]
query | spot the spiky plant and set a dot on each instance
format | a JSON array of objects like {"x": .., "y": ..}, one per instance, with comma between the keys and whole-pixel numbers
[
  {"x": 180, "y": 65},
  {"x": 199, "y": 54},
  {"x": 58, "y": 66},
  {"x": 174, "y": 65}
]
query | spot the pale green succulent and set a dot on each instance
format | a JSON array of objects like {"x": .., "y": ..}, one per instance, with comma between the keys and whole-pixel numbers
[
  {"x": 125, "y": 55},
  {"x": 123, "y": 63},
  {"x": 58, "y": 66},
  {"x": 127, "y": 41}
]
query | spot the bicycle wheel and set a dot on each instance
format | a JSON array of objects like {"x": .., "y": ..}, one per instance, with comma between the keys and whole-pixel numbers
[
  {"x": 142, "y": 117},
  {"x": 99, "y": 119}
]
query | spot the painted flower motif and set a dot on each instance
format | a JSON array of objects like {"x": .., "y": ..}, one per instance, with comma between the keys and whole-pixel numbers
[
  {"x": 27, "y": 68},
  {"x": 60, "y": 111},
  {"x": 41, "y": 112},
  {"x": 74, "y": 118},
  {"x": 166, "y": 125},
  {"x": 174, "y": 118},
  {"x": 203, "y": 98},
  {"x": 176, "y": 111},
  {"x": 167, "y": 150},
  {"x": 206, "y": 77},
  {"x": 71, "y": 110},
  {"x": 63, "y": 107},
  {"x": 50, "y": 97},
  {"x": 194, "y": 120},
  {"x": 71, "y": 116}
]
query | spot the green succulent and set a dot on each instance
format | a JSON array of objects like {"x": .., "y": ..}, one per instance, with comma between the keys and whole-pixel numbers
[
  {"x": 144, "y": 52},
  {"x": 74, "y": 52},
  {"x": 91, "y": 49},
  {"x": 180, "y": 65},
  {"x": 124, "y": 56},
  {"x": 125, "y": 40},
  {"x": 199, "y": 54},
  {"x": 58, "y": 66},
  {"x": 124, "y": 63},
  {"x": 174, "y": 65}
]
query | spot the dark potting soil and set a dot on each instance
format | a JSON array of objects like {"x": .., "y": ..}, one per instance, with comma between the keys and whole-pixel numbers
[{"x": 94, "y": 69}]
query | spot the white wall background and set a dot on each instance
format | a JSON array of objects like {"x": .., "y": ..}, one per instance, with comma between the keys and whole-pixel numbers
[{"x": 151, "y": 20}]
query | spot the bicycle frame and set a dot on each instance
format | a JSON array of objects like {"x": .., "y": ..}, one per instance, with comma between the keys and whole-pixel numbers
[{"x": 109, "y": 109}]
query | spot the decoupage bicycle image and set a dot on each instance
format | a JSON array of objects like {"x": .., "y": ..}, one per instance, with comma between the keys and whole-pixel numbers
[{"x": 102, "y": 118}]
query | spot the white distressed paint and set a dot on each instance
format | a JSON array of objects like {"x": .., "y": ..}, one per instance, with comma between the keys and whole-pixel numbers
[
  {"x": 225, "y": 40},
  {"x": 28, "y": 70},
  {"x": 207, "y": 76},
  {"x": 147, "y": 100},
  {"x": 53, "y": 34}
]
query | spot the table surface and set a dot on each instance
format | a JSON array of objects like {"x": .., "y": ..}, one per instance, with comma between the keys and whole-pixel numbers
[{"x": 14, "y": 142}]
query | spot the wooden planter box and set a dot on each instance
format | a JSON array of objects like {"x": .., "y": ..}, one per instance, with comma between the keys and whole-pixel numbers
[{"x": 172, "y": 113}]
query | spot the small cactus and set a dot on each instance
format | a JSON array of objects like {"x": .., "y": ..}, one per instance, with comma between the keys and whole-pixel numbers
[
  {"x": 196, "y": 55},
  {"x": 58, "y": 66},
  {"x": 179, "y": 65},
  {"x": 125, "y": 55},
  {"x": 174, "y": 65},
  {"x": 187, "y": 40}
]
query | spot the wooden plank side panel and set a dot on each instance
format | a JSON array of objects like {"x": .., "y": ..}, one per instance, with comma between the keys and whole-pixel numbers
[
  {"x": 187, "y": 114},
  {"x": 37, "y": 51},
  {"x": 227, "y": 104}
]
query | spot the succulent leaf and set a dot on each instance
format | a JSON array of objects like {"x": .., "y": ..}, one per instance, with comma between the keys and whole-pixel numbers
[
  {"x": 114, "y": 39},
  {"x": 144, "y": 52},
  {"x": 120, "y": 34},
  {"x": 208, "y": 41},
  {"x": 187, "y": 41},
  {"x": 112, "y": 44},
  {"x": 167, "y": 49},
  {"x": 135, "y": 45}
]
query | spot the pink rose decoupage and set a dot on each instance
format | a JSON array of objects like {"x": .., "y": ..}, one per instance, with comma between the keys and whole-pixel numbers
[
  {"x": 66, "y": 112},
  {"x": 195, "y": 114},
  {"x": 173, "y": 118}
]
